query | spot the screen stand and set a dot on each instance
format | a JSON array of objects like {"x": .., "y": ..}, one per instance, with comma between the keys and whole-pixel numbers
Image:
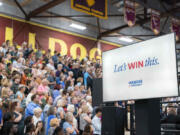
[{"x": 147, "y": 115}]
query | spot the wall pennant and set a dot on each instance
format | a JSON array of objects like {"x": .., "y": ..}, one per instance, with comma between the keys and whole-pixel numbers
[
  {"x": 175, "y": 27},
  {"x": 155, "y": 21},
  {"x": 129, "y": 12}
]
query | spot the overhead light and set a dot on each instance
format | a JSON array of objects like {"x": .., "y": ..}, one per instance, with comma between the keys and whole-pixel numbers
[
  {"x": 126, "y": 39},
  {"x": 1, "y": 3},
  {"x": 77, "y": 26}
]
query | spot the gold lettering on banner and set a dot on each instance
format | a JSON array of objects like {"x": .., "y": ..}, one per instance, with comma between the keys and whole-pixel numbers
[
  {"x": 9, "y": 35},
  {"x": 92, "y": 53},
  {"x": 32, "y": 40},
  {"x": 63, "y": 45},
  {"x": 73, "y": 51}
]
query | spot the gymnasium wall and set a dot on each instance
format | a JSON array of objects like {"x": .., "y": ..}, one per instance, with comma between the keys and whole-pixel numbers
[{"x": 45, "y": 37}]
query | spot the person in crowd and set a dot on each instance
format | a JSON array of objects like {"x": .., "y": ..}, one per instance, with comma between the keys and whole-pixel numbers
[
  {"x": 88, "y": 130},
  {"x": 68, "y": 125},
  {"x": 71, "y": 109},
  {"x": 56, "y": 91},
  {"x": 15, "y": 110},
  {"x": 59, "y": 70},
  {"x": 84, "y": 117},
  {"x": 28, "y": 120},
  {"x": 51, "y": 115},
  {"x": 52, "y": 80},
  {"x": 60, "y": 110},
  {"x": 29, "y": 111},
  {"x": 39, "y": 128},
  {"x": 50, "y": 65},
  {"x": 96, "y": 122},
  {"x": 172, "y": 117},
  {"x": 43, "y": 89},
  {"x": 37, "y": 115},
  {"x": 10, "y": 129},
  {"x": 32, "y": 91},
  {"x": 58, "y": 131},
  {"x": 54, "y": 123},
  {"x": 47, "y": 106},
  {"x": 21, "y": 95},
  {"x": 89, "y": 103},
  {"x": 30, "y": 129}
]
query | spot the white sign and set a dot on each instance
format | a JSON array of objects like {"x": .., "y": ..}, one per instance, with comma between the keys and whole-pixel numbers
[{"x": 144, "y": 70}]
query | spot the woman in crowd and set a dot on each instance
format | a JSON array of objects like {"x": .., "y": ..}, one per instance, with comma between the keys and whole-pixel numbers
[
  {"x": 60, "y": 109},
  {"x": 21, "y": 96},
  {"x": 49, "y": 101},
  {"x": 84, "y": 117},
  {"x": 37, "y": 115},
  {"x": 71, "y": 109},
  {"x": 88, "y": 130},
  {"x": 15, "y": 110},
  {"x": 68, "y": 126},
  {"x": 54, "y": 123},
  {"x": 30, "y": 129},
  {"x": 39, "y": 128}
]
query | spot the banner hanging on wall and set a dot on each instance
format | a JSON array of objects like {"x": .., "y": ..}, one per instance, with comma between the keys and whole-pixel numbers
[
  {"x": 96, "y": 8},
  {"x": 64, "y": 42},
  {"x": 175, "y": 26},
  {"x": 155, "y": 21},
  {"x": 129, "y": 12}
]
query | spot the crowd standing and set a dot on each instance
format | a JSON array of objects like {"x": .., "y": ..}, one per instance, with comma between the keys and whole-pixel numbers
[{"x": 44, "y": 94}]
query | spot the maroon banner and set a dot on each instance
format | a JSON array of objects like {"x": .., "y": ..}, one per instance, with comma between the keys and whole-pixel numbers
[
  {"x": 155, "y": 21},
  {"x": 175, "y": 26},
  {"x": 129, "y": 12},
  {"x": 44, "y": 37},
  {"x": 96, "y": 8}
]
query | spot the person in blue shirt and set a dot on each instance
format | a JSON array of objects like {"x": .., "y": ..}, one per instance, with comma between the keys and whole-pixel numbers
[
  {"x": 55, "y": 57},
  {"x": 68, "y": 125},
  {"x": 86, "y": 75},
  {"x": 32, "y": 105},
  {"x": 51, "y": 114}
]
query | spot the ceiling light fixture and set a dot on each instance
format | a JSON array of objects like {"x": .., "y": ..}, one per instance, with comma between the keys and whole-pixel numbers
[
  {"x": 1, "y": 3},
  {"x": 126, "y": 39},
  {"x": 77, "y": 26}
]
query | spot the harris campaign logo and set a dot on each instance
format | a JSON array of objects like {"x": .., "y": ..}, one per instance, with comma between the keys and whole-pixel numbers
[{"x": 135, "y": 83}]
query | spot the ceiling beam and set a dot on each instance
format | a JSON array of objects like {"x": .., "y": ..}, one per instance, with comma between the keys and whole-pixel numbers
[
  {"x": 78, "y": 16},
  {"x": 139, "y": 22},
  {"x": 73, "y": 16},
  {"x": 44, "y": 8},
  {"x": 20, "y": 7},
  {"x": 139, "y": 35}
]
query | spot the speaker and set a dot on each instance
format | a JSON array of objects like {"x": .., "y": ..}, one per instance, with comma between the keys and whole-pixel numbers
[
  {"x": 97, "y": 94},
  {"x": 113, "y": 121},
  {"x": 147, "y": 114}
]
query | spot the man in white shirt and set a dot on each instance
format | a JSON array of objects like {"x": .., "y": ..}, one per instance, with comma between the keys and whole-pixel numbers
[
  {"x": 50, "y": 65},
  {"x": 96, "y": 122}
]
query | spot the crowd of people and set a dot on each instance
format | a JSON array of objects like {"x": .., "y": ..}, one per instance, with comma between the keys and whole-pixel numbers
[{"x": 44, "y": 94}]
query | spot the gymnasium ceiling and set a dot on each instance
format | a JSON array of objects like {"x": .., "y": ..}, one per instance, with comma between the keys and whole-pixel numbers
[{"x": 58, "y": 13}]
